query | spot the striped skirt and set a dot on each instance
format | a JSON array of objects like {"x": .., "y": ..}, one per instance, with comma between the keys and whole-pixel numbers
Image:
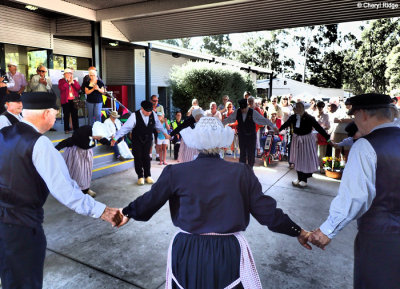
[
  {"x": 186, "y": 154},
  {"x": 303, "y": 153},
  {"x": 80, "y": 165}
]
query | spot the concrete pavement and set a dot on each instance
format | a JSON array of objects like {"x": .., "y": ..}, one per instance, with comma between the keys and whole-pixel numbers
[{"x": 87, "y": 253}]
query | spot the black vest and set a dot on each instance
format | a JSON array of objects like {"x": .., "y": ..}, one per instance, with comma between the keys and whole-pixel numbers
[
  {"x": 22, "y": 191},
  {"x": 384, "y": 214},
  {"x": 247, "y": 127},
  {"x": 10, "y": 117},
  {"x": 141, "y": 132}
]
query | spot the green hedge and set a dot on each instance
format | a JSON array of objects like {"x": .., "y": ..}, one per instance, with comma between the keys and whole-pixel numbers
[{"x": 207, "y": 82}]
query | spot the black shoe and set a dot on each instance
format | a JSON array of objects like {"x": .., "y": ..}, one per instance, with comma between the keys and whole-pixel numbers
[
  {"x": 157, "y": 159},
  {"x": 53, "y": 129}
]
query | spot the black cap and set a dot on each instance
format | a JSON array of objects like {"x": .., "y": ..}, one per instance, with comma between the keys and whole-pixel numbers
[
  {"x": 12, "y": 97},
  {"x": 39, "y": 100},
  {"x": 146, "y": 105},
  {"x": 368, "y": 101},
  {"x": 243, "y": 103}
]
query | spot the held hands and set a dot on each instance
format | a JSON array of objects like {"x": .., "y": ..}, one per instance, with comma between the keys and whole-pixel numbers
[
  {"x": 124, "y": 219},
  {"x": 113, "y": 142},
  {"x": 113, "y": 216},
  {"x": 303, "y": 239},
  {"x": 319, "y": 239}
]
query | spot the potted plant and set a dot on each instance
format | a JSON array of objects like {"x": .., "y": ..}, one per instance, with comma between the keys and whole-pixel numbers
[{"x": 333, "y": 167}]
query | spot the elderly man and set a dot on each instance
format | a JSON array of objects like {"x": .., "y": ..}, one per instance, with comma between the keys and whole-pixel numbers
[
  {"x": 369, "y": 192},
  {"x": 37, "y": 170},
  {"x": 141, "y": 124},
  {"x": 14, "y": 108},
  {"x": 157, "y": 108},
  {"x": 40, "y": 82},
  {"x": 17, "y": 77},
  {"x": 222, "y": 107},
  {"x": 209, "y": 248},
  {"x": 247, "y": 119},
  {"x": 213, "y": 111}
]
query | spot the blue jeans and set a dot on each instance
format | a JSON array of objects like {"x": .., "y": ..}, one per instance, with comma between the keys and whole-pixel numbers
[
  {"x": 94, "y": 112},
  {"x": 275, "y": 139}
]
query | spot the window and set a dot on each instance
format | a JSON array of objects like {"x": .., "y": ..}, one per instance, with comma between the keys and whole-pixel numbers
[{"x": 58, "y": 62}]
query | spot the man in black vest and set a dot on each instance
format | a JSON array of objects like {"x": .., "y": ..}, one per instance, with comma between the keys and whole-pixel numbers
[
  {"x": 141, "y": 124},
  {"x": 14, "y": 108},
  {"x": 30, "y": 169},
  {"x": 370, "y": 193},
  {"x": 247, "y": 119}
]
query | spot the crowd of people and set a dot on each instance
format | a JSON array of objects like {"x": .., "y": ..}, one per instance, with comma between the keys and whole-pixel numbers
[{"x": 210, "y": 215}]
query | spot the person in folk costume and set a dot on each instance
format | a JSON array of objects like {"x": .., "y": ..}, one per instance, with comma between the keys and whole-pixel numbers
[
  {"x": 78, "y": 156},
  {"x": 40, "y": 170},
  {"x": 12, "y": 115},
  {"x": 369, "y": 192},
  {"x": 141, "y": 124},
  {"x": 303, "y": 150},
  {"x": 247, "y": 119},
  {"x": 209, "y": 250},
  {"x": 186, "y": 153}
]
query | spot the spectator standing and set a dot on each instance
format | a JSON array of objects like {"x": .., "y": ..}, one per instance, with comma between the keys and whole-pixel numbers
[
  {"x": 69, "y": 90},
  {"x": 213, "y": 112},
  {"x": 177, "y": 138},
  {"x": 156, "y": 108},
  {"x": 162, "y": 141},
  {"x": 195, "y": 105},
  {"x": 222, "y": 107},
  {"x": 323, "y": 120},
  {"x": 40, "y": 82},
  {"x": 287, "y": 109},
  {"x": 4, "y": 84},
  {"x": 17, "y": 78},
  {"x": 94, "y": 90}
]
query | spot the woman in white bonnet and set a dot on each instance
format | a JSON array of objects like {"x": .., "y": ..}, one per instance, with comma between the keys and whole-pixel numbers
[{"x": 209, "y": 250}]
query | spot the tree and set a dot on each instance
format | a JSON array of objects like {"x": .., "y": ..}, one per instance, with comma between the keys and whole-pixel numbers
[
  {"x": 369, "y": 62},
  {"x": 264, "y": 52},
  {"x": 392, "y": 72},
  {"x": 207, "y": 82},
  {"x": 181, "y": 42},
  {"x": 218, "y": 45}
]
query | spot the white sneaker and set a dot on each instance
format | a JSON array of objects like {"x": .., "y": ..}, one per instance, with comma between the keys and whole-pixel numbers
[
  {"x": 303, "y": 184},
  {"x": 295, "y": 182}
]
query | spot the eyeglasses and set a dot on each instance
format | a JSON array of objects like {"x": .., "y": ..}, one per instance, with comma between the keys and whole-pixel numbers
[
  {"x": 274, "y": 101},
  {"x": 154, "y": 100},
  {"x": 42, "y": 70}
]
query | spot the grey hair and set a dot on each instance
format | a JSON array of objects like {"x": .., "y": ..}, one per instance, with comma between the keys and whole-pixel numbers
[
  {"x": 34, "y": 112},
  {"x": 381, "y": 113},
  {"x": 93, "y": 72},
  {"x": 213, "y": 151},
  {"x": 251, "y": 98},
  {"x": 395, "y": 111},
  {"x": 211, "y": 104},
  {"x": 194, "y": 100}
]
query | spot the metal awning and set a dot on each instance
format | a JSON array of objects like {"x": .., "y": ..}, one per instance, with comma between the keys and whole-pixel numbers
[{"x": 144, "y": 20}]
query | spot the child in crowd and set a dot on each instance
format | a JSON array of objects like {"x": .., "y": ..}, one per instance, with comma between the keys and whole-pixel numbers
[
  {"x": 162, "y": 142},
  {"x": 353, "y": 135}
]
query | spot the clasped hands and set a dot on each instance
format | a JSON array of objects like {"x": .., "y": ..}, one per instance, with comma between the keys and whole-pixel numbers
[
  {"x": 315, "y": 237},
  {"x": 114, "y": 216}
]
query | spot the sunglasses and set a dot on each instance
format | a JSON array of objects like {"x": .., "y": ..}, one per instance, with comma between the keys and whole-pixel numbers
[
  {"x": 42, "y": 70},
  {"x": 154, "y": 100}
]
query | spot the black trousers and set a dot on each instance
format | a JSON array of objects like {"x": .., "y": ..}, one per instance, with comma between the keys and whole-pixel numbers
[
  {"x": 303, "y": 176},
  {"x": 176, "y": 150},
  {"x": 142, "y": 158},
  {"x": 376, "y": 261},
  {"x": 22, "y": 253},
  {"x": 247, "y": 146},
  {"x": 69, "y": 109}
]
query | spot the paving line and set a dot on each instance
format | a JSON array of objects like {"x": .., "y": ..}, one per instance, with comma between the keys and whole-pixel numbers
[
  {"x": 94, "y": 268},
  {"x": 113, "y": 165}
]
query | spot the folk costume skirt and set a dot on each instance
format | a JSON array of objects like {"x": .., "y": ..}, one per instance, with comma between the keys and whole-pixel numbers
[
  {"x": 80, "y": 165},
  {"x": 218, "y": 261},
  {"x": 303, "y": 153},
  {"x": 186, "y": 154}
]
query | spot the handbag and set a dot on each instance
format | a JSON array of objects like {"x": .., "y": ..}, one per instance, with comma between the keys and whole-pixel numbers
[{"x": 80, "y": 100}]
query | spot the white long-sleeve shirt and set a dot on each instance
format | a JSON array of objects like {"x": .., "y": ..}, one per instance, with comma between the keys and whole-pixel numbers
[{"x": 357, "y": 189}]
